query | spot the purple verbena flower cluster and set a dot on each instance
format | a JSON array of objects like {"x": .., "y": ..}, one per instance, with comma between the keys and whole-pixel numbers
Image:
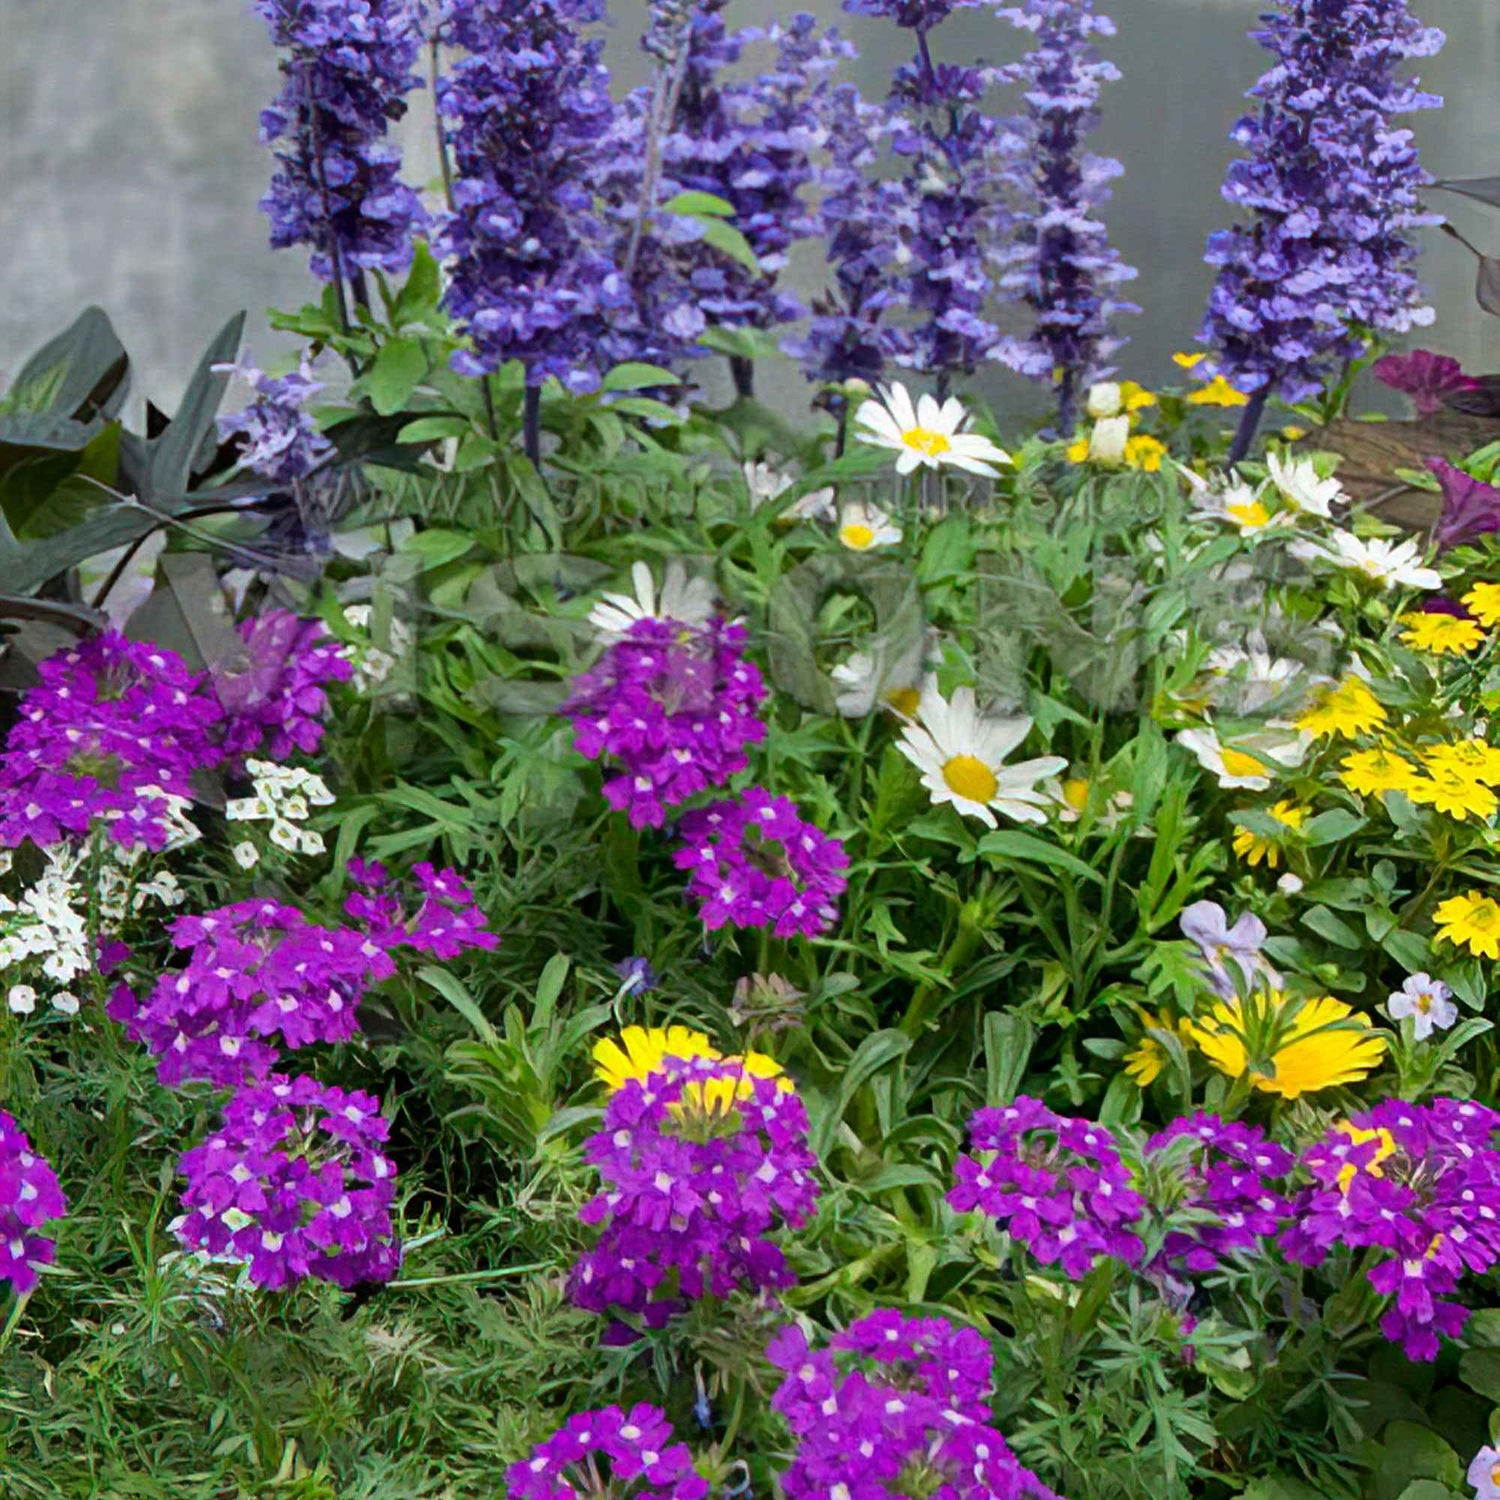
[
  {"x": 1420, "y": 1182},
  {"x": 527, "y": 111},
  {"x": 111, "y": 726},
  {"x": 257, "y": 971},
  {"x": 1061, "y": 262},
  {"x": 917, "y": 15},
  {"x": 294, "y": 1183},
  {"x": 30, "y": 1199},
  {"x": 895, "y": 1406},
  {"x": 1228, "y": 1201},
  {"x": 632, "y": 1452},
  {"x": 755, "y": 862},
  {"x": 700, "y": 1163},
  {"x": 676, "y": 706},
  {"x": 278, "y": 703},
  {"x": 281, "y": 441},
  {"x": 446, "y": 922},
  {"x": 1331, "y": 187},
  {"x": 348, "y": 67},
  {"x": 1053, "y": 1183}
]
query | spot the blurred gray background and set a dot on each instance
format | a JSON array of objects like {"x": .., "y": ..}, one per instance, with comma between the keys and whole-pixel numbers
[{"x": 130, "y": 168}]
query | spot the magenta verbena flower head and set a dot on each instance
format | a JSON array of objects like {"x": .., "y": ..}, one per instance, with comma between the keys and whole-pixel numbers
[
  {"x": 632, "y": 1454},
  {"x": 113, "y": 730},
  {"x": 700, "y": 1162},
  {"x": 446, "y": 920},
  {"x": 1229, "y": 1183},
  {"x": 1330, "y": 187},
  {"x": 676, "y": 706},
  {"x": 277, "y": 703},
  {"x": 755, "y": 862},
  {"x": 1055, "y": 1184},
  {"x": 280, "y": 440},
  {"x": 258, "y": 974},
  {"x": 295, "y": 1182},
  {"x": 895, "y": 1406},
  {"x": 348, "y": 67},
  {"x": 1419, "y": 1182},
  {"x": 30, "y": 1199}
]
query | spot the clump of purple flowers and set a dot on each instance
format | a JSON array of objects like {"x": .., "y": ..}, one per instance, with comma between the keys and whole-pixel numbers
[
  {"x": 1419, "y": 1182},
  {"x": 445, "y": 923},
  {"x": 631, "y": 1453},
  {"x": 1227, "y": 1193},
  {"x": 257, "y": 970},
  {"x": 755, "y": 862},
  {"x": 1062, "y": 264},
  {"x": 111, "y": 726},
  {"x": 676, "y": 706},
  {"x": 1331, "y": 187},
  {"x": 348, "y": 67},
  {"x": 30, "y": 1199},
  {"x": 1054, "y": 1183},
  {"x": 526, "y": 111},
  {"x": 895, "y": 1406},
  {"x": 278, "y": 703},
  {"x": 700, "y": 1162},
  {"x": 280, "y": 440},
  {"x": 294, "y": 1183}
]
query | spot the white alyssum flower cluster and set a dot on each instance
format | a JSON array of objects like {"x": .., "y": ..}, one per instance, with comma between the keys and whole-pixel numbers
[{"x": 284, "y": 797}]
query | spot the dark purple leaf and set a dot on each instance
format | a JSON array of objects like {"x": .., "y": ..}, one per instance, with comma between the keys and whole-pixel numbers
[{"x": 1471, "y": 508}]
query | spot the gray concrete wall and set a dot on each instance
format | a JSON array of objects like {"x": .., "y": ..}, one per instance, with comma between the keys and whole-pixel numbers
[{"x": 130, "y": 169}]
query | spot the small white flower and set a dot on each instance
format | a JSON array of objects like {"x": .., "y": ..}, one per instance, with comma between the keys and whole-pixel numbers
[
  {"x": 961, "y": 755},
  {"x": 66, "y": 1002},
  {"x": 1289, "y": 884},
  {"x": 1107, "y": 442},
  {"x": 246, "y": 855},
  {"x": 864, "y": 527},
  {"x": 1104, "y": 399},
  {"x": 926, "y": 435},
  {"x": 21, "y": 998},
  {"x": 1427, "y": 1002},
  {"x": 1297, "y": 481},
  {"x": 1244, "y": 761},
  {"x": 688, "y": 601},
  {"x": 1387, "y": 563}
]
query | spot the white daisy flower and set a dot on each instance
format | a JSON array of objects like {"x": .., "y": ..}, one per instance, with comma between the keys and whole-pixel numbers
[
  {"x": 863, "y": 527},
  {"x": 689, "y": 601},
  {"x": 1390, "y": 564},
  {"x": 961, "y": 755},
  {"x": 1255, "y": 677},
  {"x": 1241, "y": 507},
  {"x": 863, "y": 685},
  {"x": 926, "y": 435},
  {"x": 1297, "y": 481},
  {"x": 765, "y": 483},
  {"x": 21, "y": 999},
  {"x": 1249, "y": 760}
]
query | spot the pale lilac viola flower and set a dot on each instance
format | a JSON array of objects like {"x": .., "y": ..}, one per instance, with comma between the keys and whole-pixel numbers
[
  {"x": 1207, "y": 924},
  {"x": 1484, "y": 1474},
  {"x": 1426, "y": 1001}
]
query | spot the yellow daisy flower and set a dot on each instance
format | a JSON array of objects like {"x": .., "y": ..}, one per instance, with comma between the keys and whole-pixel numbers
[
  {"x": 1349, "y": 709},
  {"x": 1144, "y": 1063},
  {"x": 643, "y": 1050},
  {"x": 1134, "y": 397},
  {"x": 1078, "y": 452},
  {"x": 1218, "y": 392},
  {"x": 1293, "y": 434},
  {"x": 1189, "y": 361},
  {"x": 1371, "y": 772},
  {"x": 1145, "y": 452},
  {"x": 1455, "y": 793},
  {"x": 1255, "y": 848},
  {"x": 1475, "y": 759},
  {"x": 1441, "y": 634},
  {"x": 1483, "y": 602},
  {"x": 1288, "y": 1048},
  {"x": 1470, "y": 921}
]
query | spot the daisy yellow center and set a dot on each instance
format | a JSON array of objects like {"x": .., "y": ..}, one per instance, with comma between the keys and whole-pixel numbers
[
  {"x": 1238, "y": 763},
  {"x": 967, "y": 776},
  {"x": 857, "y": 535},
  {"x": 905, "y": 700},
  {"x": 925, "y": 440},
  {"x": 1253, "y": 514}
]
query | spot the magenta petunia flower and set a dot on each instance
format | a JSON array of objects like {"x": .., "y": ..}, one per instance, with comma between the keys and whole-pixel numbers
[{"x": 1424, "y": 376}]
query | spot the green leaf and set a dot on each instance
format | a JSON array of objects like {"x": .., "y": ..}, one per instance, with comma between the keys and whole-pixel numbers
[
  {"x": 1331, "y": 827},
  {"x": 431, "y": 429},
  {"x": 1334, "y": 929},
  {"x": 1008, "y": 1040},
  {"x": 401, "y": 363},
  {"x": 1480, "y": 1369},
  {"x": 448, "y": 986},
  {"x": 877, "y": 1051},
  {"x": 192, "y": 435},
  {"x": 437, "y": 547},
  {"x": 728, "y": 240},
  {"x": 1011, "y": 844},
  {"x": 418, "y": 299},
  {"x": 81, "y": 374},
  {"x": 1412, "y": 951},
  {"x": 693, "y": 203},
  {"x": 635, "y": 376}
]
